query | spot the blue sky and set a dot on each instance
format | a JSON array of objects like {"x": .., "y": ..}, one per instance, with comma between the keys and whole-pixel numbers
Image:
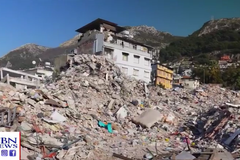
[{"x": 51, "y": 22}]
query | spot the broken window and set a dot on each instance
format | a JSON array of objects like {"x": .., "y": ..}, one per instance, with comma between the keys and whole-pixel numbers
[
  {"x": 125, "y": 56},
  {"x": 135, "y": 72},
  {"x": 109, "y": 52},
  {"x": 136, "y": 59},
  {"x": 146, "y": 62}
]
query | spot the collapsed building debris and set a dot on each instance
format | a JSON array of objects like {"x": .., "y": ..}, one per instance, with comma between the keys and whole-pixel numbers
[
  {"x": 19, "y": 79},
  {"x": 7, "y": 116},
  {"x": 93, "y": 110}
]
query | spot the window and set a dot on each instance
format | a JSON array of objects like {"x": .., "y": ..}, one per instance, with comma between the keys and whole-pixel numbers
[
  {"x": 135, "y": 72},
  {"x": 136, "y": 59},
  {"x": 125, "y": 70},
  {"x": 146, "y": 74},
  {"x": 134, "y": 46},
  {"x": 125, "y": 56},
  {"x": 109, "y": 52},
  {"x": 146, "y": 62}
]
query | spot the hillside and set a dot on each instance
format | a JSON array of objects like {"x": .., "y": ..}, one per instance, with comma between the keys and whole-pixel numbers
[
  {"x": 151, "y": 36},
  {"x": 220, "y": 24},
  {"x": 212, "y": 40},
  {"x": 22, "y": 57},
  {"x": 70, "y": 42}
]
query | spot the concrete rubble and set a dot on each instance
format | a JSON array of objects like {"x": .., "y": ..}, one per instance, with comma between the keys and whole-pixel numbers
[{"x": 93, "y": 110}]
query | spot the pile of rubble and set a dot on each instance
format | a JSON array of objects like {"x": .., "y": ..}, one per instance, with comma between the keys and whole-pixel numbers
[{"x": 94, "y": 110}]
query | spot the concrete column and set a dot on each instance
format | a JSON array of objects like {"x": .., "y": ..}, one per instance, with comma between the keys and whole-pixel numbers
[
  {"x": 8, "y": 80},
  {"x": 1, "y": 74}
]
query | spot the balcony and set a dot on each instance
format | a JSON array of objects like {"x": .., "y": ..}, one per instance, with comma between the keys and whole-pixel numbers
[
  {"x": 162, "y": 68},
  {"x": 165, "y": 75},
  {"x": 114, "y": 45}
]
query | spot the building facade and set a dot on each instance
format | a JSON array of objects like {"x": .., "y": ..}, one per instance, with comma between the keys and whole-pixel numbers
[
  {"x": 176, "y": 80},
  {"x": 186, "y": 82},
  {"x": 102, "y": 37},
  {"x": 190, "y": 83},
  {"x": 162, "y": 75}
]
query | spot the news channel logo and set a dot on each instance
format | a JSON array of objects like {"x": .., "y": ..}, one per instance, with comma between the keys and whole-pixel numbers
[{"x": 10, "y": 146}]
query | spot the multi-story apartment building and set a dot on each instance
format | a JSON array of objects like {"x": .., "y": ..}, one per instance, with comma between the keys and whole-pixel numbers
[
  {"x": 162, "y": 75},
  {"x": 102, "y": 37}
]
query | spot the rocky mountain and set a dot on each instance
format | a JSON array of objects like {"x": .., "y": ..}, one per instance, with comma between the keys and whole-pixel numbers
[
  {"x": 219, "y": 25},
  {"x": 70, "y": 42},
  {"x": 151, "y": 36},
  {"x": 32, "y": 48},
  {"x": 214, "y": 39},
  {"x": 23, "y": 56}
]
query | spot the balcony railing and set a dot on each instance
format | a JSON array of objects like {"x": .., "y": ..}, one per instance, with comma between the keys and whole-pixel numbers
[{"x": 131, "y": 47}]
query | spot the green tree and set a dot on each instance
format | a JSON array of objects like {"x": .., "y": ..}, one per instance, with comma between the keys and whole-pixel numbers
[
  {"x": 231, "y": 77},
  {"x": 208, "y": 73},
  {"x": 222, "y": 40}
]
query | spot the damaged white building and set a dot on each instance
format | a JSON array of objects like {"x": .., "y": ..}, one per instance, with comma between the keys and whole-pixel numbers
[{"x": 102, "y": 37}]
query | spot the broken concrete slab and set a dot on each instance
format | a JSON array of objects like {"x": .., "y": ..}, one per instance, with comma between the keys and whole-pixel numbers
[
  {"x": 121, "y": 113},
  {"x": 148, "y": 118},
  {"x": 111, "y": 103}
]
